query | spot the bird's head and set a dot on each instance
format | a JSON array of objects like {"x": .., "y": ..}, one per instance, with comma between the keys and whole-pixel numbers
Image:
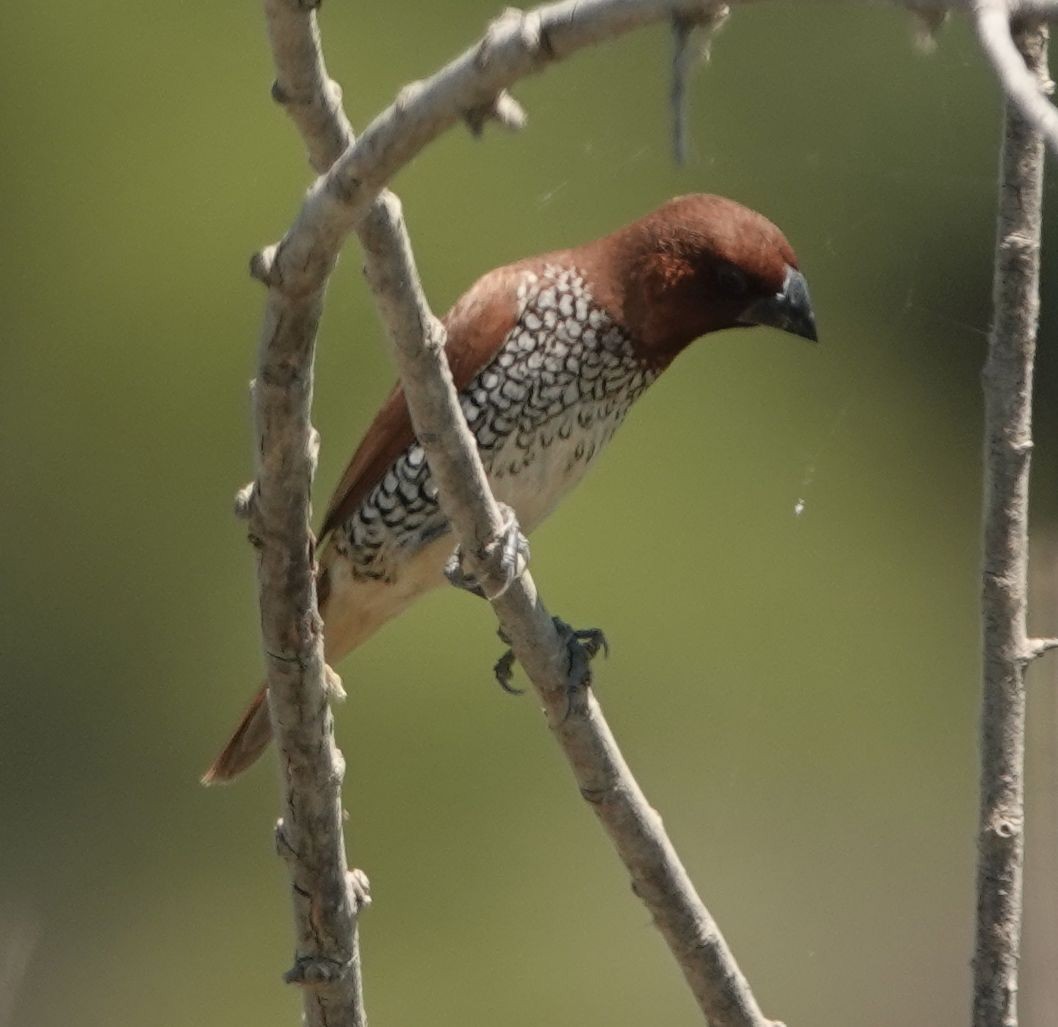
[{"x": 700, "y": 264}]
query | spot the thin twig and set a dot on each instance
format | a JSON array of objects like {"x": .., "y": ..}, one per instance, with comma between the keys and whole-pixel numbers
[
  {"x": 692, "y": 38},
  {"x": 1008, "y": 447},
  {"x": 310, "y": 96},
  {"x": 516, "y": 45}
]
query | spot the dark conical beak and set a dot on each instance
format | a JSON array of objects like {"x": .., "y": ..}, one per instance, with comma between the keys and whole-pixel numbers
[{"x": 789, "y": 310}]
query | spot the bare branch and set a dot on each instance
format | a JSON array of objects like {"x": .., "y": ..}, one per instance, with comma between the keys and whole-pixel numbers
[
  {"x": 516, "y": 44},
  {"x": 692, "y": 37},
  {"x": 1026, "y": 90},
  {"x": 309, "y": 833},
  {"x": 556, "y": 670},
  {"x": 311, "y": 98},
  {"x": 326, "y": 896},
  {"x": 1008, "y": 420}
]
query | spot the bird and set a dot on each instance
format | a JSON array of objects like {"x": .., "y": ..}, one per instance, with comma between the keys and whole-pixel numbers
[{"x": 547, "y": 354}]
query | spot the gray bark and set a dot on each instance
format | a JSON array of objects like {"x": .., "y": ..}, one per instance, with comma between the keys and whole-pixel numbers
[{"x": 1007, "y": 648}]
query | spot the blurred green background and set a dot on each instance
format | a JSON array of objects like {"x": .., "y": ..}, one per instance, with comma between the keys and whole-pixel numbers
[{"x": 798, "y": 693}]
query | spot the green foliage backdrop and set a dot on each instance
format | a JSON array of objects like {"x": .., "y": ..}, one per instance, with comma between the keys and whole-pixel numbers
[{"x": 797, "y": 692}]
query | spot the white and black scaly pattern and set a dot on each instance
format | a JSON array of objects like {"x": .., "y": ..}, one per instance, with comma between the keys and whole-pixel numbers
[{"x": 541, "y": 412}]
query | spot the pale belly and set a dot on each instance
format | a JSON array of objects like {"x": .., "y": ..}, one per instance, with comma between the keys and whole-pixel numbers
[
  {"x": 535, "y": 486},
  {"x": 530, "y": 480}
]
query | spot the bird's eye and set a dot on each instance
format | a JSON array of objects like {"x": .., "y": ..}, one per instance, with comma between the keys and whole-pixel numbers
[{"x": 731, "y": 281}]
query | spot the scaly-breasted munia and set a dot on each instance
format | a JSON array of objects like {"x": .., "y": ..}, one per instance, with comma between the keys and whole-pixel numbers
[{"x": 548, "y": 354}]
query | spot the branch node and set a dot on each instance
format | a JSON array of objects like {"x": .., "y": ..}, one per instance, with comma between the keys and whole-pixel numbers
[
  {"x": 359, "y": 888},
  {"x": 497, "y": 27},
  {"x": 1038, "y": 646},
  {"x": 335, "y": 691},
  {"x": 279, "y": 94},
  {"x": 337, "y": 775},
  {"x": 594, "y": 796},
  {"x": 244, "y": 500},
  {"x": 263, "y": 266},
  {"x": 315, "y": 971},
  {"x": 1006, "y": 827},
  {"x": 503, "y": 108},
  {"x": 407, "y": 96},
  {"x": 1019, "y": 244}
]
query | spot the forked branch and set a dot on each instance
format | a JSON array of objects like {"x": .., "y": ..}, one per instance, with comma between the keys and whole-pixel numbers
[{"x": 349, "y": 195}]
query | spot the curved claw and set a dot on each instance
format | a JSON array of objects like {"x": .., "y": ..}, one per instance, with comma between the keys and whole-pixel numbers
[
  {"x": 593, "y": 641},
  {"x": 583, "y": 645},
  {"x": 508, "y": 552},
  {"x": 453, "y": 571},
  {"x": 504, "y": 671}
]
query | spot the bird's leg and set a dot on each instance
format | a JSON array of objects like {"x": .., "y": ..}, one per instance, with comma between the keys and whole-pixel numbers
[
  {"x": 507, "y": 555},
  {"x": 582, "y": 646}
]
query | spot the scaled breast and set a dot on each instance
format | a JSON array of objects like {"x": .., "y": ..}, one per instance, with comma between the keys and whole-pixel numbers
[{"x": 541, "y": 411}]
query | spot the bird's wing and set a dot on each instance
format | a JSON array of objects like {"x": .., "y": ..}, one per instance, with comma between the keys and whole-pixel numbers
[{"x": 477, "y": 326}]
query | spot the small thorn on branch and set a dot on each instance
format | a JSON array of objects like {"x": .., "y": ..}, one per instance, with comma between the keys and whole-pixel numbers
[
  {"x": 359, "y": 888},
  {"x": 335, "y": 690},
  {"x": 313, "y": 971},
  {"x": 504, "y": 109},
  {"x": 407, "y": 95},
  {"x": 1039, "y": 646},
  {"x": 244, "y": 500},
  {"x": 263, "y": 265},
  {"x": 692, "y": 37},
  {"x": 279, "y": 94}
]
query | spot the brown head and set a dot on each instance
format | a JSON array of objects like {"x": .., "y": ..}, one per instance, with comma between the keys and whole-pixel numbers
[{"x": 696, "y": 265}]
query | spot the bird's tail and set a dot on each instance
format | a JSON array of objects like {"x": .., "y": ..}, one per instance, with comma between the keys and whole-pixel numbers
[
  {"x": 247, "y": 742},
  {"x": 352, "y": 610}
]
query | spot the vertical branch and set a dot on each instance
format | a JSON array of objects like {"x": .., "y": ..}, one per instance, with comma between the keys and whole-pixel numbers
[
  {"x": 326, "y": 896},
  {"x": 1007, "y": 649}
]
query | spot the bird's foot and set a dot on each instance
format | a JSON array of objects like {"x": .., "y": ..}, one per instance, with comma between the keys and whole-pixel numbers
[
  {"x": 504, "y": 559},
  {"x": 504, "y": 669},
  {"x": 582, "y": 646}
]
